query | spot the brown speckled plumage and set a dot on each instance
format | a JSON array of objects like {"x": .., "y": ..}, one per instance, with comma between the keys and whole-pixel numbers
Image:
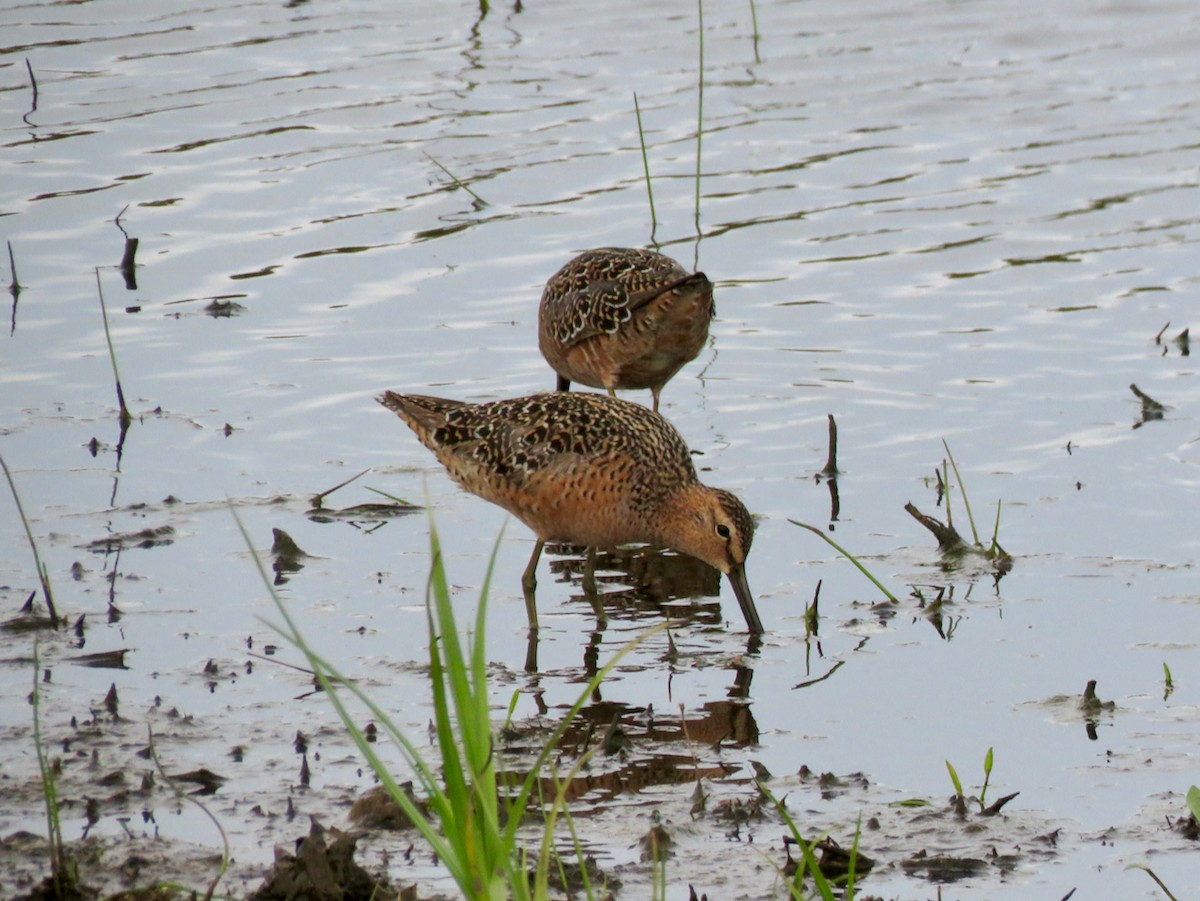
[
  {"x": 619, "y": 317},
  {"x": 586, "y": 469}
]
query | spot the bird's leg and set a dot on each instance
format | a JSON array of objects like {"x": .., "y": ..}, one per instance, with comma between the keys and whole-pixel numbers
[
  {"x": 529, "y": 585},
  {"x": 564, "y": 384},
  {"x": 612, "y": 392},
  {"x": 654, "y": 394},
  {"x": 589, "y": 588},
  {"x": 589, "y": 571},
  {"x": 531, "y": 652}
]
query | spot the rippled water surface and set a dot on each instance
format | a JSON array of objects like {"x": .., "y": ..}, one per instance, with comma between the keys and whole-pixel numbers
[{"x": 965, "y": 221}]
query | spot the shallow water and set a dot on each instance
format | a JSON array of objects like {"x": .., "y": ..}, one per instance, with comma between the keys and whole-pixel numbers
[{"x": 960, "y": 221}]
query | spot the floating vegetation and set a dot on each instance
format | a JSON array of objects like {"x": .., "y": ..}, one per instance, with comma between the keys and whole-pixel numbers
[
  {"x": 102, "y": 659},
  {"x": 374, "y": 513},
  {"x": 370, "y": 512},
  {"x": 950, "y": 543},
  {"x": 1152, "y": 410},
  {"x": 223, "y": 309},
  {"x": 151, "y": 536},
  {"x": 836, "y": 866},
  {"x": 960, "y": 800},
  {"x": 287, "y": 557},
  {"x": 1183, "y": 341}
]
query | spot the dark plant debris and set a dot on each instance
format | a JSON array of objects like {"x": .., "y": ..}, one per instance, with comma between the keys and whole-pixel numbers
[
  {"x": 151, "y": 536},
  {"x": 323, "y": 869}
]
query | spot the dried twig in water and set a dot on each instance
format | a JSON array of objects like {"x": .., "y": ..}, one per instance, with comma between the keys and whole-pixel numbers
[
  {"x": 1184, "y": 342},
  {"x": 1148, "y": 402},
  {"x": 1152, "y": 410},
  {"x": 830, "y": 471},
  {"x": 14, "y": 287},
  {"x": 33, "y": 84},
  {"x": 948, "y": 539},
  {"x": 127, "y": 265},
  {"x": 317, "y": 499}
]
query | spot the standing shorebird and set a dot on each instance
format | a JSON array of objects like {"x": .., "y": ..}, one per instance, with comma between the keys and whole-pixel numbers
[
  {"x": 618, "y": 317},
  {"x": 585, "y": 469}
]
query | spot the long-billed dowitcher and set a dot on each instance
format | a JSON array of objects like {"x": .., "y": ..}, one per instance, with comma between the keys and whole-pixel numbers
[
  {"x": 618, "y": 317},
  {"x": 585, "y": 469}
]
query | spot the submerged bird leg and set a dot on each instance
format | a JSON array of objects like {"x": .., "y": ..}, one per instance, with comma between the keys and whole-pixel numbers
[
  {"x": 531, "y": 651},
  {"x": 589, "y": 588},
  {"x": 529, "y": 585},
  {"x": 589, "y": 571}
]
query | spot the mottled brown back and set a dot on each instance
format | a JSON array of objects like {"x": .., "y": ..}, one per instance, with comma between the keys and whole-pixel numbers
[
  {"x": 516, "y": 438},
  {"x": 600, "y": 290}
]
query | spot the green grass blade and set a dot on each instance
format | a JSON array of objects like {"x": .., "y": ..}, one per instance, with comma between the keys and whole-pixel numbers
[
  {"x": 1149, "y": 872},
  {"x": 125, "y": 416},
  {"x": 646, "y": 167},
  {"x": 1193, "y": 801},
  {"x": 988, "y": 760},
  {"x": 552, "y": 742},
  {"x": 62, "y": 875},
  {"x": 808, "y": 858},
  {"x": 326, "y": 677},
  {"x": 958, "y": 789},
  {"x": 43, "y": 574},
  {"x": 962, "y": 489},
  {"x": 754, "y": 25},
  {"x": 458, "y": 182},
  {"x": 845, "y": 553},
  {"x": 699, "y": 106}
]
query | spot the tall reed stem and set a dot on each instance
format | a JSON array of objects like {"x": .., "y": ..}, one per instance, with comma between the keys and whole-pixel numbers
[
  {"x": 699, "y": 109},
  {"x": 43, "y": 574},
  {"x": 126, "y": 417}
]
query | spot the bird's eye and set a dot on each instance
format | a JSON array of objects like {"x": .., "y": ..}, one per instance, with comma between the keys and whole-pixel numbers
[{"x": 723, "y": 530}]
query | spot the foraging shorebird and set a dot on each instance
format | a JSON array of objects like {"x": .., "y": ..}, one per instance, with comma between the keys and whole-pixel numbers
[
  {"x": 586, "y": 469},
  {"x": 618, "y": 317}
]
